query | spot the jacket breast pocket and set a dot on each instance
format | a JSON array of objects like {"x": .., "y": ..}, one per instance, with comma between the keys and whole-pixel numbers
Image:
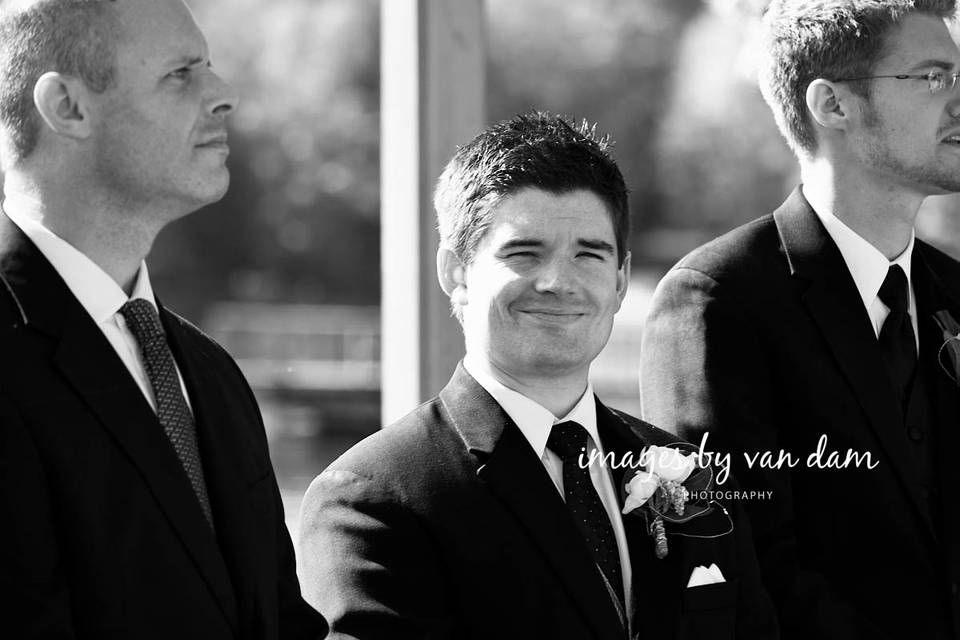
[{"x": 709, "y": 611}]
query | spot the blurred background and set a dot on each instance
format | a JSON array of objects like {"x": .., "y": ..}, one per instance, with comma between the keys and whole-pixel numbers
[{"x": 285, "y": 271}]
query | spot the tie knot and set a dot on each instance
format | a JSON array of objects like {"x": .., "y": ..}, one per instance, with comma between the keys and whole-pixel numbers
[
  {"x": 567, "y": 440},
  {"x": 894, "y": 291},
  {"x": 142, "y": 319}
]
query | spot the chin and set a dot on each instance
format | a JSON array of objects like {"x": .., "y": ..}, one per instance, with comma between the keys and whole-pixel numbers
[{"x": 213, "y": 190}]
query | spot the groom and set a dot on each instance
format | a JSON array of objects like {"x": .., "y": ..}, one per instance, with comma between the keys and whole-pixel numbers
[{"x": 470, "y": 517}]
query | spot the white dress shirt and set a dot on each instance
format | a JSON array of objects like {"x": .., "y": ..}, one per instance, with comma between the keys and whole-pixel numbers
[
  {"x": 535, "y": 422},
  {"x": 869, "y": 267},
  {"x": 96, "y": 291}
]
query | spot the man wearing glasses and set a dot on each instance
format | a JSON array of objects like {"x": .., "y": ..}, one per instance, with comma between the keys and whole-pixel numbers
[{"x": 820, "y": 326}]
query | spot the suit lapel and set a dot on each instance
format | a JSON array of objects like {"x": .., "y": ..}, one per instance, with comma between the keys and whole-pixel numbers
[
  {"x": 832, "y": 299},
  {"x": 88, "y": 362},
  {"x": 229, "y": 469},
  {"x": 932, "y": 296},
  {"x": 654, "y": 603},
  {"x": 513, "y": 473}
]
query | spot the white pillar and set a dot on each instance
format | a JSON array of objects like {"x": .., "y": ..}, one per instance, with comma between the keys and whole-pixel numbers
[{"x": 432, "y": 99}]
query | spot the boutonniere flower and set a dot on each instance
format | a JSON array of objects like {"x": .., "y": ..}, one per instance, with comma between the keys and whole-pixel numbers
[
  {"x": 663, "y": 489},
  {"x": 951, "y": 343}
]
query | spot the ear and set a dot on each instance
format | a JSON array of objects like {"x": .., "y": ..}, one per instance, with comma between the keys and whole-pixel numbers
[
  {"x": 623, "y": 280},
  {"x": 63, "y": 105},
  {"x": 452, "y": 275},
  {"x": 827, "y": 103}
]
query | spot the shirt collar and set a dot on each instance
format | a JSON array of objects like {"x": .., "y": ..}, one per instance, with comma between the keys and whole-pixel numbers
[
  {"x": 533, "y": 419},
  {"x": 866, "y": 263},
  {"x": 96, "y": 291}
]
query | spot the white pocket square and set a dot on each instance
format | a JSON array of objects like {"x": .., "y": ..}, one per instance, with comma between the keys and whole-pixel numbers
[{"x": 705, "y": 575}]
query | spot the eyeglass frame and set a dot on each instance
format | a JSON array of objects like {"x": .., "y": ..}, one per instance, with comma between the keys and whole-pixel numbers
[{"x": 938, "y": 77}]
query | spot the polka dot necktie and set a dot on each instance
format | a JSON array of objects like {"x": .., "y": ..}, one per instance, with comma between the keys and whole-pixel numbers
[
  {"x": 172, "y": 410},
  {"x": 897, "y": 343},
  {"x": 568, "y": 440}
]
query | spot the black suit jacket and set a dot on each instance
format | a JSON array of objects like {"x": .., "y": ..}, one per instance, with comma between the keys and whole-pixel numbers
[
  {"x": 761, "y": 338},
  {"x": 102, "y": 536},
  {"x": 446, "y": 525}
]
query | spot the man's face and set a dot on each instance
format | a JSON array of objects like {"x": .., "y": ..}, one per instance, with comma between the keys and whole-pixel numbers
[
  {"x": 160, "y": 135},
  {"x": 909, "y": 137},
  {"x": 543, "y": 286}
]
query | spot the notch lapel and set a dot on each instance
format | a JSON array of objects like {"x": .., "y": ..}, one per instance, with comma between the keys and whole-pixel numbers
[
  {"x": 511, "y": 470},
  {"x": 832, "y": 299}
]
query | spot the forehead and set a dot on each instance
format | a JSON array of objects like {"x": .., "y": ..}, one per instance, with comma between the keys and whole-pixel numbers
[
  {"x": 541, "y": 214},
  {"x": 155, "y": 32},
  {"x": 918, "y": 39}
]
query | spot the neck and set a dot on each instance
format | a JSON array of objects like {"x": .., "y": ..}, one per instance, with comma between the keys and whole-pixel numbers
[
  {"x": 559, "y": 394},
  {"x": 881, "y": 214},
  {"x": 115, "y": 238}
]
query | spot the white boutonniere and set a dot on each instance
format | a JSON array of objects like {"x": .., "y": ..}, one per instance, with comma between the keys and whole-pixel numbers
[{"x": 662, "y": 491}]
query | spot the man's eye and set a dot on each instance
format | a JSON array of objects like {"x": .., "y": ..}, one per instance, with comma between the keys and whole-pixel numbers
[
  {"x": 587, "y": 254},
  {"x": 180, "y": 74}
]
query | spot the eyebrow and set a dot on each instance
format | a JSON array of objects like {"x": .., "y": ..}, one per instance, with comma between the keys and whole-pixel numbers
[
  {"x": 185, "y": 61},
  {"x": 527, "y": 243},
  {"x": 939, "y": 64},
  {"x": 520, "y": 243},
  {"x": 597, "y": 245}
]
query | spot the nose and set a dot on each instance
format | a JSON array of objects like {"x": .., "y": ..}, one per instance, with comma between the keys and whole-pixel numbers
[
  {"x": 223, "y": 98},
  {"x": 953, "y": 104},
  {"x": 557, "y": 276}
]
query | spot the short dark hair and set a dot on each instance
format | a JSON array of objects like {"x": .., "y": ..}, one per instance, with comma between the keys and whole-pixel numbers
[
  {"x": 536, "y": 150},
  {"x": 831, "y": 39},
  {"x": 72, "y": 37}
]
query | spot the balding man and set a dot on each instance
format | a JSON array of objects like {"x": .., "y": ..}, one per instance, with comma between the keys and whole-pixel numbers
[{"x": 137, "y": 494}]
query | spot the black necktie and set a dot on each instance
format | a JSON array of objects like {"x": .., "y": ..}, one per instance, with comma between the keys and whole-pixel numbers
[
  {"x": 172, "y": 410},
  {"x": 568, "y": 440},
  {"x": 897, "y": 342}
]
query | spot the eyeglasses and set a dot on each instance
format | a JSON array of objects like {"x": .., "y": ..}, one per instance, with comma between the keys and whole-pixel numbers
[{"x": 937, "y": 80}]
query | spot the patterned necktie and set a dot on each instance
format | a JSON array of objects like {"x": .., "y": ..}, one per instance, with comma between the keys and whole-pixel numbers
[
  {"x": 172, "y": 410},
  {"x": 568, "y": 440},
  {"x": 897, "y": 342}
]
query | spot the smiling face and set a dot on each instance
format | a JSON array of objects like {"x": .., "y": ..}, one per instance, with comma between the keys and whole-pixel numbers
[
  {"x": 160, "y": 135},
  {"x": 539, "y": 296},
  {"x": 908, "y": 136}
]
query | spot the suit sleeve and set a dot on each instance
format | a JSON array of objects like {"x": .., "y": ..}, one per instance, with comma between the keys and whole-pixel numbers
[
  {"x": 703, "y": 368},
  {"x": 368, "y": 564},
  {"x": 34, "y": 598},
  {"x": 297, "y": 620}
]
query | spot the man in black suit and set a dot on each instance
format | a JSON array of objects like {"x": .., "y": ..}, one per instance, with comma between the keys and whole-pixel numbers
[
  {"x": 136, "y": 489},
  {"x": 471, "y": 517},
  {"x": 814, "y": 328}
]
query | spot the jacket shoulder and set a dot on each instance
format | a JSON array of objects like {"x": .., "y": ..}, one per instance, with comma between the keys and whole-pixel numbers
[
  {"x": 745, "y": 251},
  {"x": 419, "y": 449}
]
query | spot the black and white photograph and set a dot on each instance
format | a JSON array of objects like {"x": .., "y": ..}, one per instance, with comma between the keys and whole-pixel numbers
[{"x": 472, "y": 319}]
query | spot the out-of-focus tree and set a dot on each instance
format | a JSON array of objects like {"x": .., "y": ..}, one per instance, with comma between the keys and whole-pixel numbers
[
  {"x": 609, "y": 61},
  {"x": 300, "y": 221},
  {"x": 723, "y": 162}
]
